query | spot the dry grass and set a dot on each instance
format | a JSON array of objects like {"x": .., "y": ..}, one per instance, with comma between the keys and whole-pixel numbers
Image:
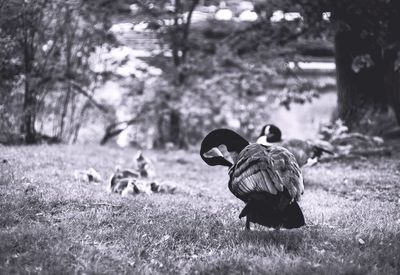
[{"x": 52, "y": 223}]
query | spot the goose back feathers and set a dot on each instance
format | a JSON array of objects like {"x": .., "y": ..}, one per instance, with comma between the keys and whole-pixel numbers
[{"x": 265, "y": 169}]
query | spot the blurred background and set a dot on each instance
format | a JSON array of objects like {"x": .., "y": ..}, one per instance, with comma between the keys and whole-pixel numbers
[{"x": 156, "y": 74}]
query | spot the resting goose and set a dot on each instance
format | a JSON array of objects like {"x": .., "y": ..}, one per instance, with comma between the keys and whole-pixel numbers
[
  {"x": 306, "y": 152},
  {"x": 89, "y": 175},
  {"x": 266, "y": 178},
  {"x": 122, "y": 180}
]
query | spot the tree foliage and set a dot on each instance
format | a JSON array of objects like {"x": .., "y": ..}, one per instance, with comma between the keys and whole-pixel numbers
[
  {"x": 215, "y": 74},
  {"x": 367, "y": 43},
  {"x": 48, "y": 43}
]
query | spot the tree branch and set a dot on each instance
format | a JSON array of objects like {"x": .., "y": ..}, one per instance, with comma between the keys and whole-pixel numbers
[
  {"x": 187, "y": 26},
  {"x": 82, "y": 91},
  {"x": 77, "y": 87},
  {"x": 116, "y": 128}
]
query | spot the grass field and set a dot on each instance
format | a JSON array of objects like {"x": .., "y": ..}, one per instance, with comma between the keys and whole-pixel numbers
[{"x": 52, "y": 223}]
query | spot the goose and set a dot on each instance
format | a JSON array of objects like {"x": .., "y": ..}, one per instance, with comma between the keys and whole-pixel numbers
[
  {"x": 143, "y": 165},
  {"x": 162, "y": 188},
  {"x": 135, "y": 187},
  {"x": 89, "y": 175},
  {"x": 307, "y": 153},
  {"x": 128, "y": 182},
  {"x": 266, "y": 178},
  {"x": 121, "y": 179}
]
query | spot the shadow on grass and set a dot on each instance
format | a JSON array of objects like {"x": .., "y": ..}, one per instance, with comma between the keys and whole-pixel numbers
[{"x": 290, "y": 240}]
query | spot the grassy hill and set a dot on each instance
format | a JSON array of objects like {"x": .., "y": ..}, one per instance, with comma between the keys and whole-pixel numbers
[{"x": 52, "y": 223}]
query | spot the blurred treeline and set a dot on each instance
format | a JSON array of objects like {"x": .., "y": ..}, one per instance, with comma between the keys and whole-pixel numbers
[
  {"x": 212, "y": 73},
  {"x": 46, "y": 81}
]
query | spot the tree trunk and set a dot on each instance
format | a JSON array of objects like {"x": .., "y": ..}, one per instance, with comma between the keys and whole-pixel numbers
[
  {"x": 68, "y": 54},
  {"x": 29, "y": 106},
  {"x": 29, "y": 115},
  {"x": 392, "y": 82},
  {"x": 361, "y": 94},
  {"x": 78, "y": 124},
  {"x": 64, "y": 112},
  {"x": 169, "y": 129}
]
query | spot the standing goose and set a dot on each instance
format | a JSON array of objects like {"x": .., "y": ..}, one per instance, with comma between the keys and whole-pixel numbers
[
  {"x": 266, "y": 178},
  {"x": 306, "y": 152}
]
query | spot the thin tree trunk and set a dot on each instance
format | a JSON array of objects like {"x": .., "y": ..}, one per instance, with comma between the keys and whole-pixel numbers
[
  {"x": 70, "y": 36},
  {"x": 78, "y": 124},
  {"x": 169, "y": 129},
  {"x": 29, "y": 117},
  {"x": 72, "y": 118},
  {"x": 64, "y": 111},
  {"x": 29, "y": 106}
]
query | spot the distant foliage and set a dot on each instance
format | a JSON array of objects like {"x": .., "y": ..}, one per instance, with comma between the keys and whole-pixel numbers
[
  {"x": 347, "y": 144},
  {"x": 224, "y": 90},
  {"x": 367, "y": 48},
  {"x": 221, "y": 74},
  {"x": 46, "y": 79},
  {"x": 362, "y": 62}
]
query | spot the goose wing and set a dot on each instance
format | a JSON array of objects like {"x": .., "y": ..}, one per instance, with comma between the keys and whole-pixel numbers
[{"x": 265, "y": 169}]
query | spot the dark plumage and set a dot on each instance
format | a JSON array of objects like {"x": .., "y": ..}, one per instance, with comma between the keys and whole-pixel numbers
[
  {"x": 272, "y": 132},
  {"x": 305, "y": 151},
  {"x": 266, "y": 178}
]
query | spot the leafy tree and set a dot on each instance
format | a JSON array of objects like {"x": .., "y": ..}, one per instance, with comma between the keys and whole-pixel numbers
[
  {"x": 202, "y": 82},
  {"x": 366, "y": 39},
  {"x": 210, "y": 81},
  {"x": 53, "y": 41},
  {"x": 171, "y": 21}
]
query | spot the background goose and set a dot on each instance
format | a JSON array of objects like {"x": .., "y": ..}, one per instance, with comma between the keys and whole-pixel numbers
[
  {"x": 121, "y": 179},
  {"x": 306, "y": 152},
  {"x": 143, "y": 165},
  {"x": 129, "y": 182},
  {"x": 89, "y": 175},
  {"x": 266, "y": 178}
]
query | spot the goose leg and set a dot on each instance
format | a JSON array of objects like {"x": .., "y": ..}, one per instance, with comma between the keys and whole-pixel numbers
[{"x": 247, "y": 223}]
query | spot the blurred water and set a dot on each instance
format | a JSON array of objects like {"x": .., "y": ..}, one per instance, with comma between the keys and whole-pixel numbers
[{"x": 303, "y": 121}]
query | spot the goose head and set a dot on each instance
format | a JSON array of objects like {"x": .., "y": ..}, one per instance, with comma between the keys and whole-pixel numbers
[
  {"x": 270, "y": 133},
  {"x": 221, "y": 147}
]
